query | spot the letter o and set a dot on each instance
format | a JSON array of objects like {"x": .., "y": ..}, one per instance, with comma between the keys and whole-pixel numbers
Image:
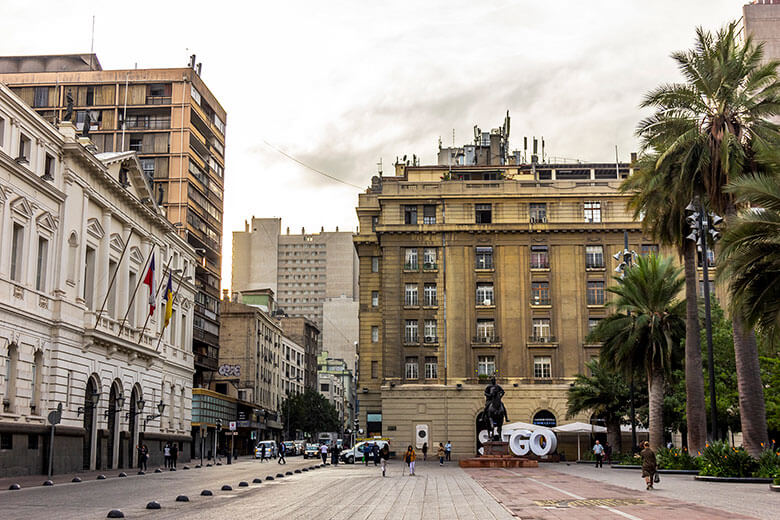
[{"x": 543, "y": 435}]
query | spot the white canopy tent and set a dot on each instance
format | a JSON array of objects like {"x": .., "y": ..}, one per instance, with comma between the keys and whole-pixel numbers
[{"x": 579, "y": 428}]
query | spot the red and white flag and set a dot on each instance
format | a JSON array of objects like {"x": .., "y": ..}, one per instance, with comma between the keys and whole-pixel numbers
[{"x": 149, "y": 280}]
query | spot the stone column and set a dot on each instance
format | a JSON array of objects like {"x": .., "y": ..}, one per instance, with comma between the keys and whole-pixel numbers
[
  {"x": 123, "y": 277},
  {"x": 82, "y": 248},
  {"x": 103, "y": 277},
  {"x": 5, "y": 236}
]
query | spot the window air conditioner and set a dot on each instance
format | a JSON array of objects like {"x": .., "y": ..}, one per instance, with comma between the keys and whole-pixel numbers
[
  {"x": 430, "y": 339},
  {"x": 487, "y": 302},
  {"x": 543, "y": 220}
]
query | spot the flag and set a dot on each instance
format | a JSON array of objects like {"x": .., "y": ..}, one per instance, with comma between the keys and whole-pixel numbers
[
  {"x": 168, "y": 301},
  {"x": 149, "y": 280}
]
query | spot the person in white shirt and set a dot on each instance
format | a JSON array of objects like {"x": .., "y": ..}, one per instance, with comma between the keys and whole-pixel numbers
[
  {"x": 324, "y": 453},
  {"x": 598, "y": 451}
]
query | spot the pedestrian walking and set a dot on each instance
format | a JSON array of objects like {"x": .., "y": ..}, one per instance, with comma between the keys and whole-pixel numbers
[
  {"x": 598, "y": 451},
  {"x": 409, "y": 458},
  {"x": 262, "y": 453},
  {"x": 425, "y": 451},
  {"x": 334, "y": 455},
  {"x": 448, "y": 450},
  {"x": 384, "y": 454},
  {"x": 282, "y": 451},
  {"x": 324, "y": 453},
  {"x": 366, "y": 453},
  {"x": 174, "y": 454},
  {"x": 167, "y": 455},
  {"x": 143, "y": 456},
  {"x": 649, "y": 465},
  {"x": 441, "y": 453},
  {"x": 375, "y": 454},
  {"x": 608, "y": 452}
]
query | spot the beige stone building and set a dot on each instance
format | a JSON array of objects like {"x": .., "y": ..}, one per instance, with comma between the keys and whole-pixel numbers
[
  {"x": 474, "y": 270},
  {"x": 761, "y": 20}
]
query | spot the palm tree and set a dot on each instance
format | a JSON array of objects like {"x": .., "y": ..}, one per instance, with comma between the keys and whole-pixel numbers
[
  {"x": 603, "y": 393},
  {"x": 750, "y": 253},
  {"x": 717, "y": 125},
  {"x": 658, "y": 198},
  {"x": 646, "y": 328}
]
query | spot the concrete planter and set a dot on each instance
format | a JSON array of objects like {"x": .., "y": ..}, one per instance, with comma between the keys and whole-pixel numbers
[
  {"x": 735, "y": 480},
  {"x": 660, "y": 471}
]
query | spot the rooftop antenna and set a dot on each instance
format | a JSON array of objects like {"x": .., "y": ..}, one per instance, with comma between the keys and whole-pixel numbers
[
  {"x": 92, "y": 43},
  {"x": 453, "y": 138},
  {"x": 617, "y": 163}
]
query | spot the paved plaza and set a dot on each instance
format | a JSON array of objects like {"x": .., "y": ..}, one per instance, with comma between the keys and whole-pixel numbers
[{"x": 359, "y": 492}]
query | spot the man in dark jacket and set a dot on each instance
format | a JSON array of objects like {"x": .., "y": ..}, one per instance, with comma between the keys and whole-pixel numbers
[{"x": 649, "y": 465}]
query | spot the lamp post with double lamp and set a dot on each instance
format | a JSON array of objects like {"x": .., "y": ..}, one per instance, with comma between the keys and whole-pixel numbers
[
  {"x": 703, "y": 232},
  {"x": 626, "y": 259},
  {"x": 160, "y": 410}
]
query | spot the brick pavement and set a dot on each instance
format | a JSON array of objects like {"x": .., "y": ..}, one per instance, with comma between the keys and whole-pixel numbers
[{"x": 546, "y": 494}]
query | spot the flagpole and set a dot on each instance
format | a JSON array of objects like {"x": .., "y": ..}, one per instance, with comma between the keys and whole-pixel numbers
[
  {"x": 113, "y": 277},
  {"x": 173, "y": 298},
  {"x": 149, "y": 314},
  {"x": 132, "y": 298}
]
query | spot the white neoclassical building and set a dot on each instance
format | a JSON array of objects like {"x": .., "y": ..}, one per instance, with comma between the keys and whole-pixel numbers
[{"x": 77, "y": 235}]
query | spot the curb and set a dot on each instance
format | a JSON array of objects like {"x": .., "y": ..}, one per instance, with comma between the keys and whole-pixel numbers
[
  {"x": 735, "y": 480},
  {"x": 774, "y": 487},
  {"x": 661, "y": 471}
]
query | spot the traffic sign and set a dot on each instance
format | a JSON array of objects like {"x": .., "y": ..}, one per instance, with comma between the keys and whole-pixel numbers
[{"x": 232, "y": 425}]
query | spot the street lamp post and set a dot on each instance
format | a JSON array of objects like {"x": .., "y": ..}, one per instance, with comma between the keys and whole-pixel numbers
[
  {"x": 703, "y": 231},
  {"x": 626, "y": 259}
]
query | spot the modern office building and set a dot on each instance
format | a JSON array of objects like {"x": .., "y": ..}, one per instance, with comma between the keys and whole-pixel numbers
[
  {"x": 761, "y": 19},
  {"x": 314, "y": 276},
  {"x": 480, "y": 268},
  {"x": 78, "y": 232},
  {"x": 176, "y": 126}
]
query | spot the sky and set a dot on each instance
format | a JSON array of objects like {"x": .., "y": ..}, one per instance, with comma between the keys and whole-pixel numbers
[{"x": 341, "y": 85}]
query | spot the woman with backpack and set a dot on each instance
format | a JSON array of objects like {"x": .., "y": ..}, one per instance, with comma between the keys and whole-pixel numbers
[{"x": 409, "y": 458}]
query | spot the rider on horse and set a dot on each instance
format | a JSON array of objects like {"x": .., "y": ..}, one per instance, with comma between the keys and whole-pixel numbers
[{"x": 494, "y": 412}]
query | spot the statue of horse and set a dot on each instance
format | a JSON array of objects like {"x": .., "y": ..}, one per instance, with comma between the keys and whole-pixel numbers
[{"x": 493, "y": 416}]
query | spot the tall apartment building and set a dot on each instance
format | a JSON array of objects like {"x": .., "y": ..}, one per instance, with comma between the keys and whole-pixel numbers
[
  {"x": 305, "y": 333},
  {"x": 314, "y": 276},
  {"x": 761, "y": 19},
  {"x": 175, "y": 124},
  {"x": 480, "y": 269}
]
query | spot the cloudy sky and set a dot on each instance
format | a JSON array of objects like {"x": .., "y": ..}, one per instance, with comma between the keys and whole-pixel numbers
[{"x": 341, "y": 84}]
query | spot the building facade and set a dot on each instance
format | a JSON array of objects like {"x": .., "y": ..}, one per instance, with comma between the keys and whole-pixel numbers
[
  {"x": 77, "y": 234},
  {"x": 314, "y": 275},
  {"x": 304, "y": 332},
  {"x": 332, "y": 389},
  {"x": 761, "y": 20},
  {"x": 339, "y": 369},
  {"x": 480, "y": 270},
  {"x": 292, "y": 367},
  {"x": 176, "y": 126}
]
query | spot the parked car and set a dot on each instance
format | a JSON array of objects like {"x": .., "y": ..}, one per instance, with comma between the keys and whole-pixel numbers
[
  {"x": 356, "y": 453},
  {"x": 270, "y": 449},
  {"x": 312, "y": 451},
  {"x": 299, "y": 447},
  {"x": 291, "y": 448}
]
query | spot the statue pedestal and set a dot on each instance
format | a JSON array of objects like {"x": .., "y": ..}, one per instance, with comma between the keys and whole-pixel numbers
[
  {"x": 496, "y": 455},
  {"x": 495, "y": 448}
]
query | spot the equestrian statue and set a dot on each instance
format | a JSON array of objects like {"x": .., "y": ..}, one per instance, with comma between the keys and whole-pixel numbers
[{"x": 493, "y": 416}]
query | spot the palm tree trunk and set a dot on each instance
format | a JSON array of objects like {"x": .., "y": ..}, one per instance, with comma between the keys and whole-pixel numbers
[
  {"x": 752, "y": 410},
  {"x": 655, "y": 390},
  {"x": 614, "y": 436},
  {"x": 695, "y": 407}
]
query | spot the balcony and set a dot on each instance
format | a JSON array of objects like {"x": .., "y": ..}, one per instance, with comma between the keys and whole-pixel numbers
[{"x": 543, "y": 340}]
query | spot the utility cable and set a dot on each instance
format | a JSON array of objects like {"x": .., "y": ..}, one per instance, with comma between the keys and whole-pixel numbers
[{"x": 315, "y": 170}]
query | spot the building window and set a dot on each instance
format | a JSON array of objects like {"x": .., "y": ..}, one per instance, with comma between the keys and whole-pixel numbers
[
  {"x": 32, "y": 441},
  {"x": 43, "y": 256},
  {"x": 541, "y": 329},
  {"x": 430, "y": 334},
  {"x": 540, "y": 293},
  {"x": 649, "y": 249},
  {"x": 410, "y": 295},
  {"x": 411, "y": 332},
  {"x": 538, "y": 212},
  {"x": 595, "y": 292},
  {"x": 2, "y": 132},
  {"x": 48, "y": 167},
  {"x": 486, "y": 365},
  {"x": 485, "y": 293},
  {"x": 374, "y": 369},
  {"x": 412, "y": 368},
  {"x": 540, "y": 257},
  {"x": 429, "y": 295},
  {"x": 90, "y": 96},
  {"x": 132, "y": 281},
  {"x": 594, "y": 257},
  {"x": 486, "y": 330},
  {"x": 429, "y": 258},
  {"x": 24, "y": 149},
  {"x": 483, "y": 213},
  {"x": 431, "y": 368},
  {"x": 410, "y": 261},
  {"x": 17, "y": 246},
  {"x": 375, "y": 298},
  {"x": 41, "y": 98},
  {"x": 484, "y": 257},
  {"x": 542, "y": 367},
  {"x": 410, "y": 214},
  {"x": 374, "y": 223},
  {"x": 324, "y": 387},
  {"x": 592, "y": 324},
  {"x": 6, "y": 441},
  {"x": 429, "y": 214},
  {"x": 592, "y": 211},
  {"x": 374, "y": 264}
]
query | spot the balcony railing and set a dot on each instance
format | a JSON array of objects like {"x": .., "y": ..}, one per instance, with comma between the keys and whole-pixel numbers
[
  {"x": 430, "y": 266},
  {"x": 535, "y": 300},
  {"x": 541, "y": 339},
  {"x": 411, "y": 339},
  {"x": 411, "y": 266},
  {"x": 487, "y": 340}
]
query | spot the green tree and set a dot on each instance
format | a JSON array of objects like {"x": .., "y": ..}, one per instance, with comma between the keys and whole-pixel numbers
[
  {"x": 717, "y": 123},
  {"x": 604, "y": 393},
  {"x": 658, "y": 198},
  {"x": 309, "y": 412},
  {"x": 645, "y": 330}
]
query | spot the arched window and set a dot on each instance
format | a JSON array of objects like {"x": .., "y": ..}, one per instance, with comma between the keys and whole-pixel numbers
[{"x": 545, "y": 418}]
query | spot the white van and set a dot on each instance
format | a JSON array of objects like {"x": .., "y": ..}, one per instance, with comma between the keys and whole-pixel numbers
[
  {"x": 270, "y": 449},
  {"x": 356, "y": 452}
]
